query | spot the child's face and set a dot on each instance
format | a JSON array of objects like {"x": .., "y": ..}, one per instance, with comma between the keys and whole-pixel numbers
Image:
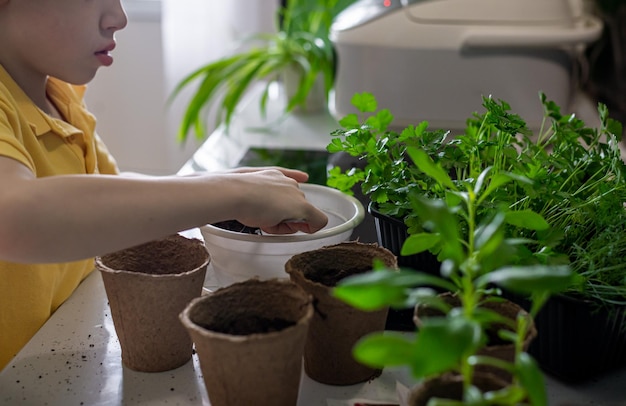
[{"x": 67, "y": 39}]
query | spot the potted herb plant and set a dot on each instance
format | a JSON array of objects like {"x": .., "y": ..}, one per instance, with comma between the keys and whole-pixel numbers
[
  {"x": 300, "y": 50},
  {"x": 476, "y": 256},
  {"x": 568, "y": 174}
]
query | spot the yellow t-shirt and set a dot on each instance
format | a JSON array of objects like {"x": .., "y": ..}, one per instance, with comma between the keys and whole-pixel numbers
[{"x": 29, "y": 294}]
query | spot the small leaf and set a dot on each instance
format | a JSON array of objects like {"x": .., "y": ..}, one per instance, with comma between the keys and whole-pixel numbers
[
  {"x": 529, "y": 279},
  {"x": 349, "y": 121},
  {"x": 489, "y": 236},
  {"x": 380, "y": 288},
  {"x": 430, "y": 168},
  {"x": 364, "y": 102},
  {"x": 420, "y": 242},
  {"x": 379, "y": 350},
  {"x": 531, "y": 379},
  {"x": 526, "y": 219},
  {"x": 441, "y": 344}
]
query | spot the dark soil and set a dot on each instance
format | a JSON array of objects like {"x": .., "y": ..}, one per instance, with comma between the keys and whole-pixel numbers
[
  {"x": 330, "y": 277},
  {"x": 249, "y": 324},
  {"x": 171, "y": 255},
  {"x": 234, "y": 225}
]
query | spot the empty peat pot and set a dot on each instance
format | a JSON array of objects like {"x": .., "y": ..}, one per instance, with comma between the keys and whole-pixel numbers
[
  {"x": 250, "y": 337},
  {"x": 147, "y": 287},
  {"x": 337, "y": 326}
]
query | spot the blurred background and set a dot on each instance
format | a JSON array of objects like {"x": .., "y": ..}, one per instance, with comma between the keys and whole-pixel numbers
[{"x": 167, "y": 39}]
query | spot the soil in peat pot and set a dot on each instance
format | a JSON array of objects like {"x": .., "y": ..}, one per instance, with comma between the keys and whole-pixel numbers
[
  {"x": 242, "y": 325},
  {"x": 330, "y": 277}
]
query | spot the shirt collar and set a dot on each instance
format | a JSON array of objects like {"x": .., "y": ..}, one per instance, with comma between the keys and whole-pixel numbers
[{"x": 40, "y": 122}]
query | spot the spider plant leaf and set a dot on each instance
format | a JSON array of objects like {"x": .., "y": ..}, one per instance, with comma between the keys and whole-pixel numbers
[
  {"x": 239, "y": 84},
  {"x": 192, "y": 115}
]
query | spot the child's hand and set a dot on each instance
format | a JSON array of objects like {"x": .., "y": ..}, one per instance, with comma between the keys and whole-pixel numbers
[{"x": 275, "y": 204}]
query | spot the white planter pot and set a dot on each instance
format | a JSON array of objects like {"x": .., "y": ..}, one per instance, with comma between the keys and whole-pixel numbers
[{"x": 236, "y": 257}]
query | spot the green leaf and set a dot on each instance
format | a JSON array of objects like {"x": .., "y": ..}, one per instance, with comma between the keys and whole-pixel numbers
[
  {"x": 532, "y": 380},
  {"x": 439, "y": 347},
  {"x": 380, "y": 288},
  {"x": 379, "y": 350},
  {"x": 490, "y": 236},
  {"x": 509, "y": 395},
  {"x": 439, "y": 216},
  {"x": 350, "y": 121},
  {"x": 441, "y": 344},
  {"x": 380, "y": 121},
  {"x": 526, "y": 219},
  {"x": 497, "y": 180},
  {"x": 420, "y": 242},
  {"x": 529, "y": 279},
  {"x": 428, "y": 166},
  {"x": 364, "y": 102}
]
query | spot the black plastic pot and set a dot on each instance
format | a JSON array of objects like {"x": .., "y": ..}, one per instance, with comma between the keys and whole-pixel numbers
[
  {"x": 391, "y": 233},
  {"x": 579, "y": 341}
]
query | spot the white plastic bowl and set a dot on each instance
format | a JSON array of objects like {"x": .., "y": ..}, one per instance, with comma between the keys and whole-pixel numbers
[{"x": 236, "y": 257}]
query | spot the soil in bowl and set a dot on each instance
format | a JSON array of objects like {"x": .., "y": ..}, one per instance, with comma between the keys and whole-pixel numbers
[{"x": 237, "y": 227}]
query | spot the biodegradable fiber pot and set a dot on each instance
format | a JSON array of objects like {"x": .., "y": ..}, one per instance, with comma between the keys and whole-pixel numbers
[
  {"x": 147, "y": 287},
  {"x": 450, "y": 386},
  {"x": 337, "y": 326},
  {"x": 496, "y": 347},
  {"x": 250, "y": 337}
]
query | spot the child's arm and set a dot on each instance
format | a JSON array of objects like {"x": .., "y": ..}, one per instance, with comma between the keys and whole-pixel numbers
[{"x": 65, "y": 218}]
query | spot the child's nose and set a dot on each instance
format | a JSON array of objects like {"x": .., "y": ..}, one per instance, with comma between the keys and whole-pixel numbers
[{"x": 114, "y": 17}]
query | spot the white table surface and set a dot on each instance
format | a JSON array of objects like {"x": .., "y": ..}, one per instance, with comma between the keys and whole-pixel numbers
[{"x": 75, "y": 358}]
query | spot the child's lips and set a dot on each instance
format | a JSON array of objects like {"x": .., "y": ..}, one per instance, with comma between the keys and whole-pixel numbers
[
  {"x": 110, "y": 47},
  {"x": 104, "y": 55}
]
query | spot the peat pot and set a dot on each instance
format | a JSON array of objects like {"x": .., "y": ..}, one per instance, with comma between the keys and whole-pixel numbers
[
  {"x": 238, "y": 256},
  {"x": 147, "y": 287},
  {"x": 250, "y": 338},
  {"x": 337, "y": 326},
  {"x": 450, "y": 387},
  {"x": 496, "y": 347}
]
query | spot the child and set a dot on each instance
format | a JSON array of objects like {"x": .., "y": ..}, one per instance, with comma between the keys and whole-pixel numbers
[{"x": 62, "y": 201}]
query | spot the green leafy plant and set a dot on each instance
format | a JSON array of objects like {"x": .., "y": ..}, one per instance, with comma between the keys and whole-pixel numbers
[
  {"x": 567, "y": 174},
  {"x": 301, "y": 43},
  {"x": 476, "y": 256}
]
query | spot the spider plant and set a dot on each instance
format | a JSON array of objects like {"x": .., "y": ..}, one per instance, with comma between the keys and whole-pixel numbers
[{"x": 301, "y": 43}]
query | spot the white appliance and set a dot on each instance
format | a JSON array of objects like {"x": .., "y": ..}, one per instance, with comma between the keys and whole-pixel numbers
[{"x": 434, "y": 59}]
